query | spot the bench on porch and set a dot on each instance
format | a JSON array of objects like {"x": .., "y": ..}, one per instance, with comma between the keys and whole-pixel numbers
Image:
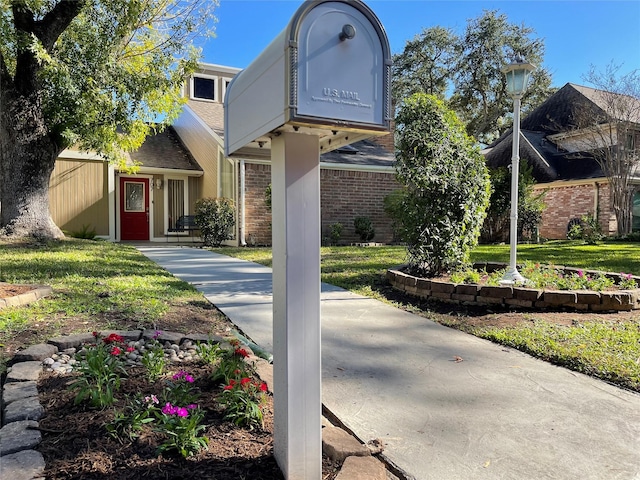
[{"x": 184, "y": 224}]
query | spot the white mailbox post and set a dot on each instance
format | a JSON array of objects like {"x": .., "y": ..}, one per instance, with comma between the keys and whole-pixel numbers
[{"x": 324, "y": 82}]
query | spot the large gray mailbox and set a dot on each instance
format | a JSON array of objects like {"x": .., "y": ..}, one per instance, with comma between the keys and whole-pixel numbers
[
  {"x": 328, "y": 72},
  {"x": 322, "y": 83}
]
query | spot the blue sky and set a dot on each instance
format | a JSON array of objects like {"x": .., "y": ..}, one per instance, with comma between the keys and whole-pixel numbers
[{"x": 576, "y": 33}]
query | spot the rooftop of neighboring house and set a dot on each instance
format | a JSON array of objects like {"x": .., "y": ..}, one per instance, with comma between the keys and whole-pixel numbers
[
  {"x": 165, "y": 150},
  {"x": 560, "y": 113}
]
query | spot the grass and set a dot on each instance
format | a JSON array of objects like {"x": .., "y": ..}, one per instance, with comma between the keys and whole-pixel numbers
[
  {"x": 104, "y": 285},
  {"x": 97, "y": 284},
  {"x": 608, "y": 349}
]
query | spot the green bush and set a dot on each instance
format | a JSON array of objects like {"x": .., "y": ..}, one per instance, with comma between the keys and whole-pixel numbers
[
  {"x": 215, "y": 217},
  {"x": 586, "y": 229},
  {"x": 446, "y": 186},
  {"x": 335, "y": 232},
  {"x": 364, "y": 228}
]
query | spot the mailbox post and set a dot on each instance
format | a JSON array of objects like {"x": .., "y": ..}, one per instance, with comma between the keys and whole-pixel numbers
[{"x": 324, "y": 82}]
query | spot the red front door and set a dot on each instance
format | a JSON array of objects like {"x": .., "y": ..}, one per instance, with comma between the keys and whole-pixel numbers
[{"x": 134, "y": 208}]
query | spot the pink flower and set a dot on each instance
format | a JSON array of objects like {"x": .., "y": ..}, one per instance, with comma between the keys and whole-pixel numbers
[
  {"x": 580, "y": 273},
  {"x": 116, "y": 351},
  {"x": 191, "y": 406},
  {"x": 131, "y": 349},
  {"x": 182, "y": 412},
  {"x": 168, "y": 409},
  {"x": 151, "y": 399}
]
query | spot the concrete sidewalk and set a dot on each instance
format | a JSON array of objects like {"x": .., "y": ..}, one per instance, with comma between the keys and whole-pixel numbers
[{"x": 392, "y": 375}]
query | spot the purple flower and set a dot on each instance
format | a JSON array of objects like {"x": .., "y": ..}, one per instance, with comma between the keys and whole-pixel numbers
[
  {"x": 182, "y": 412},
  {"x": 580, "y": 273},
  {"x": 169, "y": 409},
  {"x": 185, "y": 375},
  {"x": 191, "y": 406},
  {"x": 157, "y": 334}
]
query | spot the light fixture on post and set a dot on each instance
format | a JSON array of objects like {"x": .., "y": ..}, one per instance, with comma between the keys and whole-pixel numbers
[{"x": 517, "y": 74}]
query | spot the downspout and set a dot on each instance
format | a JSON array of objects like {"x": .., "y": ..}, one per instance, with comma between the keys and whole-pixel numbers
[
  {"x": 243, "y": 242},
  {"x": 596, "y": 201}
]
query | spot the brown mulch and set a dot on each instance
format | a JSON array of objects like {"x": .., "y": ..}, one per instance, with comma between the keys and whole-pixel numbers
[{"x": 75, "y": 443}]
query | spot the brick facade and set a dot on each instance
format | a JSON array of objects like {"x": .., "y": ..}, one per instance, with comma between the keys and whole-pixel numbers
[
  {"x": 573, "y": 201},
  {"x": 344, "y": 195}
]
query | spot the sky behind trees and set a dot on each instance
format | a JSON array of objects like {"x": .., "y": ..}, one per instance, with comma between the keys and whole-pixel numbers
[{"x": 577, "y": 33}]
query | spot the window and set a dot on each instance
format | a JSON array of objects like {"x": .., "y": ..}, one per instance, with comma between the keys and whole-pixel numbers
[
  {"x": 204, "y": 87},
  {"x": 635, "y": 221},
  {"x": 225, "y": 85},
  {"x": 175, "y": 197},
  {"x": 227, "y": 189},
  {"x": 134, "y": 197}
]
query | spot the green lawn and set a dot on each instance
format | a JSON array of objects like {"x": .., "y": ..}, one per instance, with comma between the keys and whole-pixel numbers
[
  {"x": 607, "y": 347},
  {"x": 100, "y": 285}
]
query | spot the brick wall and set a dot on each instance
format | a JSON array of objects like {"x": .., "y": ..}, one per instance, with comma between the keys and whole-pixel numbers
[
  {"x": 344, "y": 195},
  {"x": 573, "y": 201}
]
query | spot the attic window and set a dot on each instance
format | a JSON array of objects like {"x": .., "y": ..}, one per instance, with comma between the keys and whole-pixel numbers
[{"x": 204, "y": 87}]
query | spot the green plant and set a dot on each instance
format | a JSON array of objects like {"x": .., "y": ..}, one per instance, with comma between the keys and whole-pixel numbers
[
  {"x": 335, "y": 232},
  {"x": 587, "y": 229},
  {"x": 364, "y": 228},
  {"x": 179, "y": 390},
  {"x": 244, "y": 400},
  {"x": 136, "y": 414},
  {"x": 468, "y": 275},
  {"x": 153, "y": 358},
  {"x": 101, "y": 369},
  {"x": 627, "y": 281},
  {"x": 446, "y": 186},
  {"x": 232, "y": 365},
  {"x": 181, "y": 427},
  {"x": 267, "y": 197},
  {"x": 84, "y": 233},
  {"x": 208, "y": 352},
  {"x": 215, "y": 217}
]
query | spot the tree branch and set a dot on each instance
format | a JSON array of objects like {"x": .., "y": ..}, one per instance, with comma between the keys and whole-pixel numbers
[{"x": 56, "y": 21}]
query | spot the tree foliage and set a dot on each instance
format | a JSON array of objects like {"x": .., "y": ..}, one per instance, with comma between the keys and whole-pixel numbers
[
  {"x": 446, "y": 186},
  {"x": 611, "y": 133},
  {"x": 530, "y": 205},
  {"x": 99, "y": 75},
  {"x": 466, "y": 70}
]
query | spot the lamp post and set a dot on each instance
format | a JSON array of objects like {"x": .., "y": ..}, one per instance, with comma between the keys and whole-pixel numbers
[{"x": 517, "y": 73}]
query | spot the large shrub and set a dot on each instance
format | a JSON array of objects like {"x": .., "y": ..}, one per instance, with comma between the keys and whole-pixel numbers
[
  {"x": 446, "y": 186},
  {"x": 215, "y": 217}
]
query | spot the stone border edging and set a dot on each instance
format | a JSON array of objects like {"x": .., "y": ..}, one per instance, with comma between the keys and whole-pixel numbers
[
  {"x": 38, "y": 292},
  {"x": 521, "y": 297},
  {"x": 21, "y": 409}
]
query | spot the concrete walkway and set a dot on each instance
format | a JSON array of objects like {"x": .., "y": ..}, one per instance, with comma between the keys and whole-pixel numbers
[{"x": 392, "y": 375}]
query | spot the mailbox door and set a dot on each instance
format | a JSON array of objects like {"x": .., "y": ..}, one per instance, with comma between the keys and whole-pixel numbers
[{"x": 339, "y": 77}]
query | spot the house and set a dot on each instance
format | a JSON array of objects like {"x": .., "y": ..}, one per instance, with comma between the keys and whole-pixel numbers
[
  {"x": 187, "y": 162},
  {"x": 559, "y": 147}
]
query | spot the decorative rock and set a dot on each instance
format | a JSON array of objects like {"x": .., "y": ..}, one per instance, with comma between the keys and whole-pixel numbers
[
  {"x": 69, "y": 341},
  {"x": 26, "y": 409},
  {"x": 202, "y": 338},
  {"x": 338, "y": 444},
  {"x": 48, "y": 361},
  {"x": 18, "y": 436},
  {"x": 171, "y": 337},
  {"x": 132, "y": 335},
  {"x": 18, "y": 391},
  {"x": 362, "y": 468},
  {"x": 35, "y": 352},
  {"x": 24, "y": 465},
  {"x": 24, "y": 371}
]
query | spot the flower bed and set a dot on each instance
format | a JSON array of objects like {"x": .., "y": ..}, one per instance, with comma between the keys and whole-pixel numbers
[{"x": 519, "y": 296}]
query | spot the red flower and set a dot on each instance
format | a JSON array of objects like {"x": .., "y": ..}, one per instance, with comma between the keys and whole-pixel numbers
[
  {"x": 95, "y": 334},
  {"x": 228, "y": 387},
  {"x": 131, "y": 349},
  {"x": 263, "y": 387},
  {"x": 116, "y": 351},
  {"x": 244, "y": 381},
  {"x": 113, "y": 338},
  {"x": 241, "y": 352}
]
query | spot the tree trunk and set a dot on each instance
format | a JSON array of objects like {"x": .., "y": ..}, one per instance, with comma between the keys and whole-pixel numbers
[{"x": 27, "y": 158}]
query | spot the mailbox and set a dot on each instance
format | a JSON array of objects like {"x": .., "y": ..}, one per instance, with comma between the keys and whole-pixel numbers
[{"x": 327, "y": 74}]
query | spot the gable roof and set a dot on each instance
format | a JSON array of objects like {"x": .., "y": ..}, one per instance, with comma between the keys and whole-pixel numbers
[{"x": 165, "y": 150}]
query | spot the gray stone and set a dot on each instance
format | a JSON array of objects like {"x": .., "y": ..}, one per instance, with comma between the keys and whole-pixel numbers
[
  {"x": 26, "y": 409},
  {"x": 171, "y": 337},
  {"x": 24, "y": 465},
  {"x": 202, "y": 338},
  {"x": 24, "y": 371},
  {"x": 19, "y": 390},
  {"x": 18, "y": 436},
  {"x": 36, "y": 352},
  {"x": 69, "y": 341},
  {"x": 362, "y": 468},
  {"x": 338, "y": 444}
]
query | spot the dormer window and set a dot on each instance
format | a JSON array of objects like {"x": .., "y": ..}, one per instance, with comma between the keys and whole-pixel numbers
[{"x": 204, "y": 87}]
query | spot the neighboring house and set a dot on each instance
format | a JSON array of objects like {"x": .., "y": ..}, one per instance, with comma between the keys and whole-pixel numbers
[
  {"x": 187, "y": 162},
  {"x": 563, "y": 166}
]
